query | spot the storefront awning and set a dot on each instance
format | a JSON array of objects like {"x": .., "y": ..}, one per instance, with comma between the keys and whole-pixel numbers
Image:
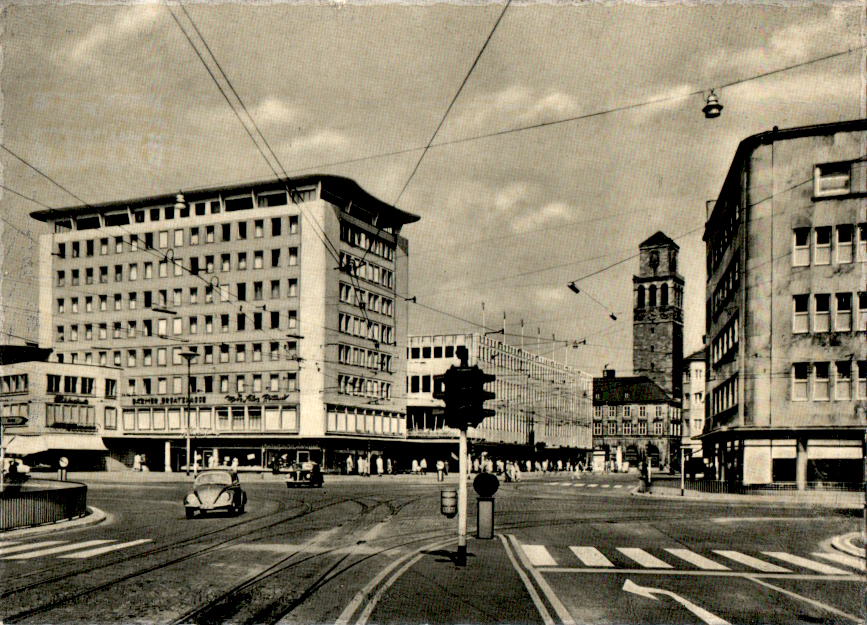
[{"x": 27, "y": 445}]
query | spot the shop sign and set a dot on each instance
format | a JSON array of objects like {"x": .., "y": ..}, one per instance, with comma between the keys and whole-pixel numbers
[
  {"x": 167, "y": 401},
  {"x": 255, "y": 399},
  {"x": 63, "y": 399}
]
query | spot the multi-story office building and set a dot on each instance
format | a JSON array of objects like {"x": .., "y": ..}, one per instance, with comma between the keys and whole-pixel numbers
[
  {"x": 693, "y": 401},
  {"x": 787, "y": 308},
  {"x": 540, "y": 404},
  {"x": 282, "y": 301},
  {"x": 634, "y": 419},
  {"x": 68, "y": 409}
]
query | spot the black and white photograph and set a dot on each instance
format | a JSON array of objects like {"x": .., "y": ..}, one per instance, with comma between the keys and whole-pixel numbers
[{"x": 454, "y": 313}]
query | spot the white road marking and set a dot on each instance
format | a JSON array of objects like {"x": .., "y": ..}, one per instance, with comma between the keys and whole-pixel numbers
[
  {"x": 842, "y": 558},
  {"x": 618, "y": 486},
  {"x": 7, "y": 543},
  {"x": 538, "y": 555},
  {"x": 59, "y": 549},
  {"x": 820, "y": 567},
  {"x": 562, "y": 613},
  {"x": 43, "y": 543},
  {"x": 592, "y": 485},
  {"x": 849, "y": 577},
  {"x": 643, "y": 558},
  {"x": 648, "y": 592},
  {"x": 109, "y": 548},
  {"x": 698, "y": 560},
  {"x": 819, "y": 604},
  {"x": 606, "y": 486},
  {"x": 755, "y": 563},
  {"x": 534, "y": 595},
  {"x": 591, "y": 556}
]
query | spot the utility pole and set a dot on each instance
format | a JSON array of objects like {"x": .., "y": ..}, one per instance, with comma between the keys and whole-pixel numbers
[{"x": 188, "y": 356}]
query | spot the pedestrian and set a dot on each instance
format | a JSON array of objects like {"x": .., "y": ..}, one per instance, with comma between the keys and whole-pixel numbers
[
  {"x": 649, "y": 477},
  {"x": 350, "y": 465},
  {"x": 379, "y": 466},
  {"x": 136, "y": 462},
  {"x": 422, "y": 465},
  {"x": 389, "y": 465},
  {"x": 415, "y": 466},
  {"x": 235, "y": 464},
  {"x": 440, "y": 470}
]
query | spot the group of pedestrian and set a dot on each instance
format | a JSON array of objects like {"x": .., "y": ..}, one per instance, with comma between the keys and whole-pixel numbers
[{"x": 364, "y": 465}]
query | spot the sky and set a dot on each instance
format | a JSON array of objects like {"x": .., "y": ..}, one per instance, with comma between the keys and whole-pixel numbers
[{"x": 111, "y": 101}]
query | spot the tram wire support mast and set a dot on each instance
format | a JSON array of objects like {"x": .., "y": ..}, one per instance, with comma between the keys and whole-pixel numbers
[{"x": 462, "y": 390}]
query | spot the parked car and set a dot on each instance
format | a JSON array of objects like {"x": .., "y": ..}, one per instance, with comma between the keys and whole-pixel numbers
[
  {"x": 216, "y": 489},
  {"x": 305, "y": 474}
]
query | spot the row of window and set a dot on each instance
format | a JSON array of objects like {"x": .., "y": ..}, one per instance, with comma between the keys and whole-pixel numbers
[
  {"x": 220, "y": 418},
  {"x": 361, "y": 357},
  {"x": 175, "y": 297},
  {"x": 17, "y": 383},
  {"x": 272, "y": 320},
  {"x": 663, "y": 296},
  {"x": 73, "y": 414},
  {"x": 814, "y": 313},
  {"x": 437, "y": 351},
  {"x": 366, "y": 270},
  {"x": 639, "y": 428},
  {"x": 726, "y": 288},
  {"x": 723, "y": 231},
  {"x": 725, "y": 396},
  {"x": 366, "y": 300},
  {"x": 357, "y": 237},
  {"x": 78, "y": 385},
  {"x": 365, "y": 328},
  {"x": 365, "y": 387},
  {"x": 280, "y": 382},
  {"x": 364, "y": 422},
  {"x": 812, "y": 381},
  {"x": 817, "y": 249},
  {"x": 627, "y": 410},
  {"x": 725, "y": 343},
  {"x": 178, "y": 237},
  {"x": 259, "y": 351},
  {"x": 129, "y": 272},
  {"x": 841, "y": 178}
]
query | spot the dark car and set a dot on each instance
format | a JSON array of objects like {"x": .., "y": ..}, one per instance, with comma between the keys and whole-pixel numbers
[
  {"x": 305, "y": 474},
  {"x": 216, "y": 490}
]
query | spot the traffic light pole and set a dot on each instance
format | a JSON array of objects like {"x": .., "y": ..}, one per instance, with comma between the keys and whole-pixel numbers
[{"x": 461, "y": 559}]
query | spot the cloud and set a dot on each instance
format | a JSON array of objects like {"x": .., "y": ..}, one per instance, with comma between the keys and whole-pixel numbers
[
  {"x": 273, "y": 111},
  {"x": 127, "y": 23},
  {"x": 549, "y": 213}
]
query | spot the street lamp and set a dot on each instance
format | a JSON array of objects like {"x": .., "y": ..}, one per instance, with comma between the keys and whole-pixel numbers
[{"x": 188, "y": 356}]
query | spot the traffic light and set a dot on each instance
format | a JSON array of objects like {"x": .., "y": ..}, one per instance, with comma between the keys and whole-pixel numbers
[{"x": 462, "y": 390}]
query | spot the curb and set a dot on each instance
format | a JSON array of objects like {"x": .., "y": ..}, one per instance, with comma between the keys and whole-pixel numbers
[
  {"x": 758, "y": 500},
  {"x": 846, "y": 544},
  {"x": 94, "y": 517}
]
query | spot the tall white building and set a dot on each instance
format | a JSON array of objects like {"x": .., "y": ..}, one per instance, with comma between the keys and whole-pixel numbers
[{"x": 286, "y": 297}]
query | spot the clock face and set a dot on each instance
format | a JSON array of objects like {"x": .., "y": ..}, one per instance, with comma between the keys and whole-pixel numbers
[{"x": 654, "y": 259}]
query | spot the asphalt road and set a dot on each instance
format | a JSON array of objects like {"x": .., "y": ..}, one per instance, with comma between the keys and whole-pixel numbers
[{"x": 377, "y": 550}]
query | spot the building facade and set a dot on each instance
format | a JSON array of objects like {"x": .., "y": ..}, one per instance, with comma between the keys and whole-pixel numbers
[
  {"x": 540, "y": 404},
  {"x": 693, "y": 401},
  {"x": 634, "y": 419},
  {"x": 787, "y": 309},
  {"x": 265, "y": 320},
  {"x": 68, "y": 410}
]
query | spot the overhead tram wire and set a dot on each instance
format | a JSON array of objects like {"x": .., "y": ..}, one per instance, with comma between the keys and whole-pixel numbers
[{"x": 318, "y": 230}]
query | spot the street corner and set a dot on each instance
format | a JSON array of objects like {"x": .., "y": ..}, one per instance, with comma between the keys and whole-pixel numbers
[{"x": 94, "y": 516}]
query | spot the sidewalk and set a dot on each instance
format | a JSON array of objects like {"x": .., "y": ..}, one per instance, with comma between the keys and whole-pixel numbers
[{"x": 826, "y": 499}]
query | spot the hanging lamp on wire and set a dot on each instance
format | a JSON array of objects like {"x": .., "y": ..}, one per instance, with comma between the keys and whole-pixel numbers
[{"x": 712, "y": 107}]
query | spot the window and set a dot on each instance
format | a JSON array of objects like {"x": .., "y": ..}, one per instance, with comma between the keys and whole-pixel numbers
[
  {"x": 275, "y": 289},
  {"x": 164, "y": 239},
  {"x": 226, "y": 232},
  {"x": 843, "y": 313},
  {"x": 258, "y": 259},
  {"x": 242, "y": 230},
  {"x": 148, "y": 271},
  {"x": 275, "y": 258},
  {"x": 292, "y": 288},
  {"x": 627, "y": 427},
  {"x": 293, "y": 256},
  {"x": 612, "y": 427},
  {"x": 843, "y": 381},
  {"x": 801, "y": 247},
  {"x": 862, "y": 242},
  {"x": 862, "y": 311},
  {"x": 179, "y": 238},
  {"x": 642, "y": 428},
  {"x": 822, "y": 312},
  {"x": 110, "y": 418},
  {"x": 293, "y": 224},
  {"x": 209, "y": 234},
  {"x": 658, "y": 427},
  {"x": 597, "y": 427},
  {"x": 276, "y": 224},
  {"x": 833, "y": 179},
  {"x": 259, "y": 228},
  {"x": 821, "y": 390},
  {"x": 53, "y": 383},
  {"x": 242, "y": 261},
  {"x": 862, "y": 379},
  {"x": 845, "y": 243},
  {"x": 822, "y": 246},
  {"x": 194, "y": 236},
  {"x": 801, "y": 313},
  {"x": 103, "y": 275}
]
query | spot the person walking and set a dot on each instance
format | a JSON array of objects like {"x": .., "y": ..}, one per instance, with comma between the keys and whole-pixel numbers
[
  {"x": 415, "y": 466},
  {"x": 440, "y": 470},
  {"x": 379, "y": 466},
  {"x": 423, "y": 466}
]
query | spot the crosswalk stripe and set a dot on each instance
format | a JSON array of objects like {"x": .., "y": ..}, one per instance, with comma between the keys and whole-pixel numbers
[
  {"x": 759, "y": 565},
  {"x": 538, "y": 555},
  {"x": 581, "y": 484},
  {"x": 698, "y": 560},
  {"x": 618, "y": 486},
  {"x": 591, "y": 556},
  {"x": 101, "y": 550},
  {"x": 59, "y": 549},
  {"x": 16, "y": 549},
  {"x": 7, "y": 543},
  {"x": 842, "y": 558},
  {"x": 643, "y": 558},
  {"x": 819, "y": 567},
  {"x": 592, "y": 485}
]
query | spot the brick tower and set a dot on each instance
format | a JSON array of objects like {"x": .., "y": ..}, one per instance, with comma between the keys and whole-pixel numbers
[{"x": 657, "y": 321}]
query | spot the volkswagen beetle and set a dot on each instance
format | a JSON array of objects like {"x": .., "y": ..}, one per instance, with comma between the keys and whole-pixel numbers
[{"x": 215, "y": 490}]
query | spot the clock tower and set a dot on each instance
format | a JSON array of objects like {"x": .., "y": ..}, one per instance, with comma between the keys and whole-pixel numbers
[{"x": 657, "y": 319}]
